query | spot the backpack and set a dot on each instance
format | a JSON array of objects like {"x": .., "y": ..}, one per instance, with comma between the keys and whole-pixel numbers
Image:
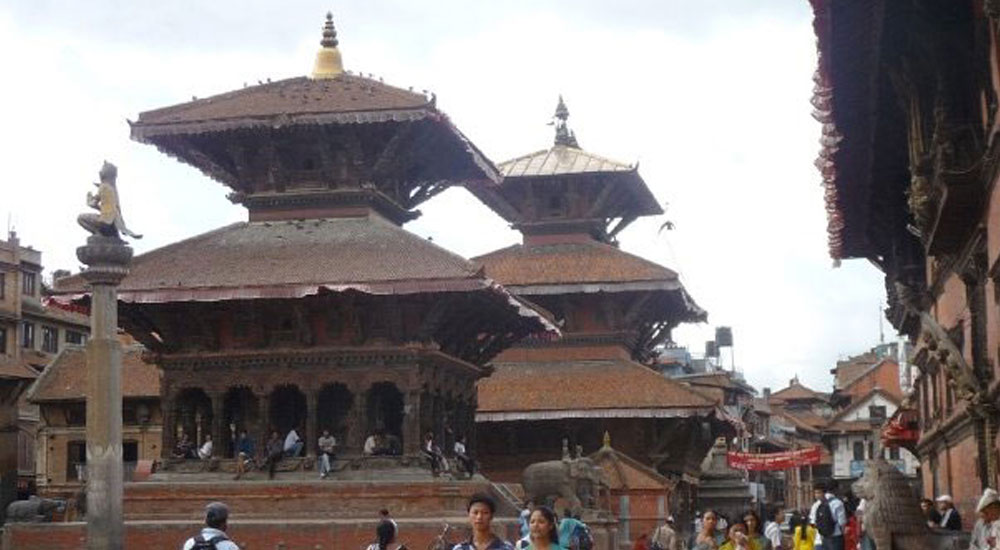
[
  {"x": 200, "y": 543},
  {"x": 825, "y": 522}
]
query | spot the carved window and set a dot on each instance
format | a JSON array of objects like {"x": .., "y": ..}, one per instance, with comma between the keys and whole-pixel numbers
[
  {"x": 28, "y": 283},
  {"x": 3, "y": 286},
  {"x": 3, "y": 341},
  {"x": 76, "y": 460},
  {"x": 76, "y": 414},
  {"x": 50, "y": 339},
  {"x": 27, "y": 335},
  {"x": 75, "y": 337},
  {"x": 859, "y": 450}
]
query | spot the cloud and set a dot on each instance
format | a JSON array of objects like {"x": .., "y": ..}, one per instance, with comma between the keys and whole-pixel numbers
[{"x": 711, "y": 98}]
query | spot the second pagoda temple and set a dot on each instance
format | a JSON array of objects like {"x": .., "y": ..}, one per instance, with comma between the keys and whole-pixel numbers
[{"x": 615, "y": 309}]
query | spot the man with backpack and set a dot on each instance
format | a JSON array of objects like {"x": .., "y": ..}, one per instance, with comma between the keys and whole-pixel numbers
[
  {"x": 213, "y": 535},
  {"x": 829, "y": 516}
]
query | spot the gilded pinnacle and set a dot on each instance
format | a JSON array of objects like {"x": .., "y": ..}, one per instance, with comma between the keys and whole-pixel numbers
[{"x": 328, "y": 61}]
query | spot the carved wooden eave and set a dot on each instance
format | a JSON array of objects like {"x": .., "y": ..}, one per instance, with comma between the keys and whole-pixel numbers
[{"x": 936, "y": 346}]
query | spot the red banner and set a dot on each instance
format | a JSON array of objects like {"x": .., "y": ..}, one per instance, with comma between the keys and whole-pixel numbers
[{"x": 773, "y": 461}]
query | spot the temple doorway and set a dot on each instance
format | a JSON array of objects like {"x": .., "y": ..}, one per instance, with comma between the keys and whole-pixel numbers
[
  {"x": 288, "y": 410},
  {"x": 240, "y": 413},
  {"x": 332, "y": 407},
  {"x": 385, "y": 411},
  {"x": 193, "y": 415}
]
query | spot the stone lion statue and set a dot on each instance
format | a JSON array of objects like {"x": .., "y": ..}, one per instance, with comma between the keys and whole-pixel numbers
[{"x": 892, "y": 516}]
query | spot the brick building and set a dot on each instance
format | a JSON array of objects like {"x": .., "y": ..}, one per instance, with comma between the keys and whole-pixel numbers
[
  {"x": 31, "y": 333},
  {"x": 61, "y": 455},
  {"x": 908, "y": 93}
]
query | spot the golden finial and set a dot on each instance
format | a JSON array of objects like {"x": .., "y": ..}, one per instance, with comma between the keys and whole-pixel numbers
[
  {"x": 564, "y": 136},
  {"x": 607, "y": 440},
  {"x": 328, "y": 61}
]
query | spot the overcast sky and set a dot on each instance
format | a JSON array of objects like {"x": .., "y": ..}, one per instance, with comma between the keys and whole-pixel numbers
[{"x": 710, "y": 97}]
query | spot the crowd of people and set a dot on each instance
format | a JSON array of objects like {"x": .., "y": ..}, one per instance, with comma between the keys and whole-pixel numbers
[{"x": 275, "y": 448}]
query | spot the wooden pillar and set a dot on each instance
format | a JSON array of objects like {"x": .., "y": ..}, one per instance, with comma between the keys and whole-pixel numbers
[
  {"x": 169, "y": 438},
  {"x": 312, "y": 398},
  {"x": 412, "y": 438},
  {"x": 264, "y": 420},
  {"x": 218, "y": 423}
]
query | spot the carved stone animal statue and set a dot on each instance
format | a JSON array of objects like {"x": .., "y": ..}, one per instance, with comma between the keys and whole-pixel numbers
[
  {"x": 578, "y": 481},
  {"x": 892, "y": 516},
  {"x": 34, "y": 509}
]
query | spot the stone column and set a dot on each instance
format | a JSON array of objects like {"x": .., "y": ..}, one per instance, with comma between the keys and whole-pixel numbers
[
  {"x": 312, "y": 438},
  {"x": 107, "y": 260}
]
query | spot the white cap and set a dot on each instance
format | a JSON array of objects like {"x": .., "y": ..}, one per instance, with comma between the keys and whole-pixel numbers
[
  {"x": 990, "y": 496},
  {"x": 944, "y": 498}
]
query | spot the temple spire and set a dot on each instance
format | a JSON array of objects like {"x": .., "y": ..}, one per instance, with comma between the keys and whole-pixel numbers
[
  {"x": 564, "y": 136},
  {"x": 328, "y": 61}
]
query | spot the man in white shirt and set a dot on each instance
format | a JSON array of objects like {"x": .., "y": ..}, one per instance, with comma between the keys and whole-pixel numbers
[
  {"x": 205, "y": 452},
  {"x": 326, "y": 447},
  {"x": 463, "y": 458},
  {"x": 772, "y": 528},
  {"x": 835, "y": 541},
  {"x": 293, "y": 443},
  {"x": 216, "y": 521}
]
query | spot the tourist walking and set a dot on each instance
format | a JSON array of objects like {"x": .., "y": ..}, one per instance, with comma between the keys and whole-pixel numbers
[
  {"x": 829, "y": 517},
  {"x": 666, "y": 537},
  {"x": 327, "y": 443},
  {"x": 481, "y": 536},
  {"x": 385, "y": 517},
  {"x": 213, "y": 536},
  {"x": 574, "y": 534},
  {"x": 739, "y": 539},
  {"x": 524, "y": 517},
  {"x": 385, "y": 536},
  {"x": 708, "y": 537},
  {"x": 803, "y": 534},
  {"x": 772, "y": 529},
  {"x": 543, "y": 531},
  {"x": 950, "y": 519},
  {"x": 754, "y": 533}
]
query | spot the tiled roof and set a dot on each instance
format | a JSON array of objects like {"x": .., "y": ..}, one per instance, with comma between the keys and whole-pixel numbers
[
  {"x": 303, "y": 100},
  {"x": 66, "y": 378},
  {"x": 802, "y": 418},
  {"x": 626, "y": 473},
  {"x": 292, "y": 259},
  {"x": 9, "y": 368},
  {"x": 558, "y": 161},
  {"x": 795, "y": 390},
  {"x": 574, "y": 263},
  {"x": 622, "y": 389}
]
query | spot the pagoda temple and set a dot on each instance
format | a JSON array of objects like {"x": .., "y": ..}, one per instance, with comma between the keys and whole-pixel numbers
[
  {"x": 615, "y": 308},
  {"x": 320, "y": 311}
]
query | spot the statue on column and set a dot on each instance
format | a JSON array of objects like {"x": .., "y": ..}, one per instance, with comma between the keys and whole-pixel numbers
[{"x": 109, "y": 222}]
